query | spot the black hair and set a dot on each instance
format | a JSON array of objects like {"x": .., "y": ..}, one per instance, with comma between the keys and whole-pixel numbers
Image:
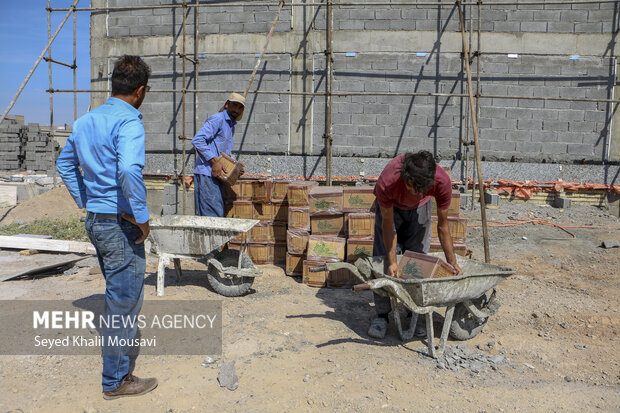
[
  {"x": 418, "y": 170},
  {"x": 130, "y": 72}
]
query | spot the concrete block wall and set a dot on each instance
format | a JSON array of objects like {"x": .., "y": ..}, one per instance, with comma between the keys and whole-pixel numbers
[
  {"x": 167, "y": 21},
  {"x": 382, "y": 48},
  {"x": 264, "y": 127}
]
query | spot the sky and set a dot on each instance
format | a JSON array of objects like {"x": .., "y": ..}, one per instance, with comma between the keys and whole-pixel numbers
[{"x": 23, "y": 36}]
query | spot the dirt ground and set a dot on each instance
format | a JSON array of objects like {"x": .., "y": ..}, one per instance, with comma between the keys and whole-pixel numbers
[{"x": 298, "y": 348}]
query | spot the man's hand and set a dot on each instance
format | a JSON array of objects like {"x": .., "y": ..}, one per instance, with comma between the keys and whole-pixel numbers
[
  {"x": 216, "y": 168},
  {"x": 145, "y": 228},
  {"x": 393, "y": 270},
  {"x": 457, "y": 269},
  {"x": 241, "y": 168}
]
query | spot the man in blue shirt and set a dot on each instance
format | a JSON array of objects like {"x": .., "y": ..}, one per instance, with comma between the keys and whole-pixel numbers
[
  {"x": 215, "y": 137},
  {"x": 101, "y": 165}
]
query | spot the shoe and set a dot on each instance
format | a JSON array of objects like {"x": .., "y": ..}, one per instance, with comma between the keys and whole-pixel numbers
[
  {"x": 420, "y": 330},
  {"x": 378, "y": 328},
  {"x": 131, "y": 386}
]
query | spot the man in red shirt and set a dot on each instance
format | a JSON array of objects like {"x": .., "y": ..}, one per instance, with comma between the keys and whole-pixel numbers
[{"x": 403, "y": 219}]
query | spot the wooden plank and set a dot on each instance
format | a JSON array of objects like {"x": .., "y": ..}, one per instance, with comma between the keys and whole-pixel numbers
[
  {"x": 23, "y": 243},
  {"x": 38, "y": 267}
]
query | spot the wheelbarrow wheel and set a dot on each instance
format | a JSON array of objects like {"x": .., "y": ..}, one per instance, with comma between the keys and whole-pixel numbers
[
  {"x": 234, "y": 286},
  {"x": 464, "y": 326}
]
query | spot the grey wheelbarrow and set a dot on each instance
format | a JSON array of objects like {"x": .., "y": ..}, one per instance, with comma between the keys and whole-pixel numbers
[
  {"x": 230, "y": 272},
  {"x": 467, "y": 307}
]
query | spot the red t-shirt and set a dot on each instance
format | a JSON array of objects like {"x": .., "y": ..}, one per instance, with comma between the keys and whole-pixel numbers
[{"x": 391, "y": 190}]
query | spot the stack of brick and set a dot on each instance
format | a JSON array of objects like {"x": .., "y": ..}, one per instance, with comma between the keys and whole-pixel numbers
[
  {"x": 11, "y": 150},
  {"x": 26, "y": 147},
  {"x": 266, "y": 201},
  {"x": 39, "y": 149},
  {"x": 457, "y": 223}
]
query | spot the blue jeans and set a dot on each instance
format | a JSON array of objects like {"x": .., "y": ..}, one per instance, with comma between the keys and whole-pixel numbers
[
  {"x": 123, "y": 264},
  {"x": 413, "y": 233},
  {"x": 208, "y": 198}
]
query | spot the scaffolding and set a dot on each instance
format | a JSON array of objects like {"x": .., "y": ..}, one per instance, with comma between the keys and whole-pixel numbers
[{"x": 472, "y": 96}]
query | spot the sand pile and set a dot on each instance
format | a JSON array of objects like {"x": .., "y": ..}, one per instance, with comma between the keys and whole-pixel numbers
[{"x": 55, "y": 203}]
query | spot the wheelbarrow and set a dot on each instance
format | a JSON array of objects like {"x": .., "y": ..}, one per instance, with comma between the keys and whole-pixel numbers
[
  {"x": 467, "y": 306},
  {"x": 230, "y": 272}
]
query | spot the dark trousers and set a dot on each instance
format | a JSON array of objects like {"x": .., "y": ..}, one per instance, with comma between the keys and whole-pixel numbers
[
  {"x": 122, "y": 263},
  {"x": 413, "y": 233},
  {"x": 208, "y": 198}
]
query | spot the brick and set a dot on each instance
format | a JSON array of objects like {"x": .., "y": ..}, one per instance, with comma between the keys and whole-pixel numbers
[
  {"x": 560, "y": 27},
  {"x": 554, "y": 148},
  {"x": 528, "y": 147},
  {"x": 562, "y": 202},
  {"x": 544, "y": 115},
  {"x": 506, "y": 26},
  {"x": 582, "y": 126},
  {"x": 518, "y": 135},
  {"x": 580, "y": 149},
  {"x": 499, "y": 123},
  {"x": 533, "y": 26},
  {"x": 588, "y": 27},
  {"x": 559, "y": 126}
]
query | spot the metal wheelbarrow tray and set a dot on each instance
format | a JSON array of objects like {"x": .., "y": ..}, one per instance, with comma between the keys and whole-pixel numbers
[
  {"x": 467, "y": 306},
  {"x": 231, "y": 273}
]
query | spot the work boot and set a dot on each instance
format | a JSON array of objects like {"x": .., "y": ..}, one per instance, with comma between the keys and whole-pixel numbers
[
  {"x": 378, "y": 328},
  {"x": 131, "y": 386}
]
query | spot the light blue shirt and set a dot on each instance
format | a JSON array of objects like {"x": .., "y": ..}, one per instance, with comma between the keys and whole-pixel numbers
[
  {"x": 215, "y": 137},
  {"x": 107, "y": 144}
]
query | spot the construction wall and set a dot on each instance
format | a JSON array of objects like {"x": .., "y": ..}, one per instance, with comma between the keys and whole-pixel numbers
[{"x": 555, "y": 51}]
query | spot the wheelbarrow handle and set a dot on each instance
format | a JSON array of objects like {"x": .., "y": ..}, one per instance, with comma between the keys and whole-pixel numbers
[
  {"x": 318, "y": 268},
  {"x": 361, "y": 287}
]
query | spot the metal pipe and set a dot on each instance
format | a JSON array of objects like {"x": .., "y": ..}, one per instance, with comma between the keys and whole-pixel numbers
[
  {"x": 183, "y": 96},
  {"x": 36, "y": 63},
  {"x": 49, "y": 65},
  {"x": 47, "y": 59},
  {"x": 273, "y": 26},
  {"x": 485, "y": 231},
  {"x": 329, "y": 80},
  {"x": 346, "y": 4},
  {"x": 614, "y": 62},
  {"x": 344, "y": 94},
  {"x": 74, "y": 64}
]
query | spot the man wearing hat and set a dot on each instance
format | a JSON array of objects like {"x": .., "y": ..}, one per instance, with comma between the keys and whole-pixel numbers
[{"x": 215, "y": 137}]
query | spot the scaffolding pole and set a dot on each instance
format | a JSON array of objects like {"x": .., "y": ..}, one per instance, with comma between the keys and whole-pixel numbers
[
  {"x": 483, "y": 212},
  {"x": 36, "y": 63},
  {"x": 329, "y": 84},
  {"x": 350, "y": 4}
]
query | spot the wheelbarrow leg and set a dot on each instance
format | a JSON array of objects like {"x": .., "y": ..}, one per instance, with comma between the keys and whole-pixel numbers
[
  {"x": 164, "y": 260},
  {"x": 430, "y": 335},
  {"x": 445, "y": 330},
  {"x": 405, "y": 335},
  {"x": 177, "y": 268}
]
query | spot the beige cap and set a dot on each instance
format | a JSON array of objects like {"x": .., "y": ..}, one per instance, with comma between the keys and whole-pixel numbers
[{"x": 236, "y": 97}]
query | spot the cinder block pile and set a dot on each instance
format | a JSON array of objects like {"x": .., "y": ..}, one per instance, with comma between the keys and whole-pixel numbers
[
  {"x": 266, "y": 201},
  {"x": 11, "y": 151},
  {"x": 39, "y": 149},
  {"x": 26, "y": 147}
]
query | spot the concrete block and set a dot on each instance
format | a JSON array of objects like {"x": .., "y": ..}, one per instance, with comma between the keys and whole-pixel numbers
[
  {"x": 562, "y": 202},
  {"x": 491, "y": 200}
]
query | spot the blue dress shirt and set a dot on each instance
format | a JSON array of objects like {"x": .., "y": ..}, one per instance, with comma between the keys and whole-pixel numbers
[
  {"x": 215, "y": 137},
  {"x": 107, "y": 144}
]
